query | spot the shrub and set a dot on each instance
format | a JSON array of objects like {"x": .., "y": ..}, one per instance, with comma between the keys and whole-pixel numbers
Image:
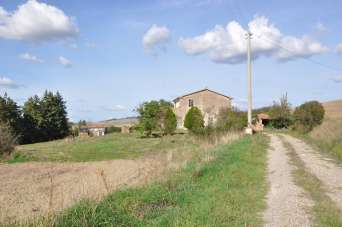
[
  {"x": 308, "y": 115},
  {"x": 231, "y": 120},
  {"x": 7, "y": 140},
  {"x": 280, "y": 113},
  {"x": 113, "y": 129},
  {"x": 152, "y": 116},
  {"x": 194, "y": 120},
  {"x": 170, "y": 122}
]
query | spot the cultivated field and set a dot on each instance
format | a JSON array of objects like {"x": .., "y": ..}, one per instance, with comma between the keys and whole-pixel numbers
[{"x": 333, "y": 109}]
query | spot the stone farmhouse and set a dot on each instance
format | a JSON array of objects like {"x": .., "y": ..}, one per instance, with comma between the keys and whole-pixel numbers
[{"x": 209, "y": 102}]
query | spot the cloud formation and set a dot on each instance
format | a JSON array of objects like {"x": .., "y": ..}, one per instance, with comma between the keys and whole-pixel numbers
[
  {"x": 228, "y": 44},
  {"x": 337, "y": 79},
  {"x": 339, "y": 48},
  {"x": 35, "y": 21},
  {"x": 64, "y": 61},
  {"x": 8, "y": 83},
  {"x": 114, "y": 108},
  {"x": 30, "y": 57},
  {"x": 155, "y": 37}
]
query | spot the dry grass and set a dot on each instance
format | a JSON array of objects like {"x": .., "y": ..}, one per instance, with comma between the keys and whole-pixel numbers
[
  {"x": 333, "y": 109},
  {"x": 328, "y": 137},
  {"x": 330, "y": 130}
]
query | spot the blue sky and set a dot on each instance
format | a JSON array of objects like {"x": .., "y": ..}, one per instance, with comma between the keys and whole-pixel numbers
[{"x": 106, "y": 57}]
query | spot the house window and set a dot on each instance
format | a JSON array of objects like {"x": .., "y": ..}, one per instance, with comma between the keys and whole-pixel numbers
[{"x": 191, "y": 103}]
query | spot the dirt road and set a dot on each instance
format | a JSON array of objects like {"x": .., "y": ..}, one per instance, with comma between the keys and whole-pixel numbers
[
  {"x": 325, "y": 169},
  {"x": 286, "y": 203},
  {"x": 31, "y": 189}
]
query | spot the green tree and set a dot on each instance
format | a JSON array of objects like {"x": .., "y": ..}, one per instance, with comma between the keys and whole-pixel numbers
[
  {"x": 7, "y": 140},
  {"x": 45, "y": 118},
  {"x": 10, "y": 115},
  {"x": 152, "y": 116},
  {"x": 280, "y": 112},
  {"x": 231, "y": 120},
  {"x": 308, "y": 115},
  {"x": 194, "y": 120},
  {"x": 170, "y": 122}
]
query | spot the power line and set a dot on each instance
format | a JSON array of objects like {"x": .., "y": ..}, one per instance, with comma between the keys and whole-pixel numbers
[{"x": 294, "y": 53}]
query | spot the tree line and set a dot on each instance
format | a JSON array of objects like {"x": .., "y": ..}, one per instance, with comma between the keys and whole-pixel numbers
[{"x": 39, "y": 119}]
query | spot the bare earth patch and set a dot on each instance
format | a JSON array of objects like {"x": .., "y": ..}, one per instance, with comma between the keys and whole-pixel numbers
[
  {"x": 325, "y": 169},
  {"x": 28, "y": 190},
  {"x": 286, "y": 203}
]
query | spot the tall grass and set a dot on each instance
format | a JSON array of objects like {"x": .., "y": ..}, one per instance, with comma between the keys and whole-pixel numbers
[
  {"x": 328, "y": 137},
  {"x": 228, "y": 190}
]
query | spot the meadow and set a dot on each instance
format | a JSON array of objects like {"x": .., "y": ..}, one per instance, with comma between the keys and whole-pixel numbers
[{"x": 110, "y": 146}]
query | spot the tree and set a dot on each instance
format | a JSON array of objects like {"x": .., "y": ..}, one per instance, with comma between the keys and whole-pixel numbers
[
  {"x": 308, "y": 115},
  {"x": 280, "y": 112},
  {"x": 7, "y": 140},
  {"x": 231, "y": 120},
  {"x": 170, "y": 122},
  {"x": 45, "y": 118},
  {"x": 194, "y": 120},
  {"x": 10, "y": 115},
  {"x": 152, "y": 116}
]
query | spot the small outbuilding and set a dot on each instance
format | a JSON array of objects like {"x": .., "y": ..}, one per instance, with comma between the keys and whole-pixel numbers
[{"x": 93, "y": 130}]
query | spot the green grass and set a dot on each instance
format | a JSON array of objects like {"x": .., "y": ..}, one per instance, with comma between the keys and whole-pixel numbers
[
  {"x": 227, "y": 191},
  {"x": 325, "y": 211},
  {"x": 110, "y": 146}
]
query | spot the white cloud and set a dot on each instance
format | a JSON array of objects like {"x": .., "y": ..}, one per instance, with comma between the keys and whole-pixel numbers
[
  {"x": 337, "y": 79},
  {"x": 320, "y": 28},
  {"x": 8, "y": 83},
  {"x": 114, "y": 108},
  {"x": 36, "y": 21},
  {"x": 64, "y": 61},
  {"x": 339, "y": 48},
  {"x": 154, "y": 37},
  {"x": 228, "y": 44},
  {"x": 30, "y": 57}
]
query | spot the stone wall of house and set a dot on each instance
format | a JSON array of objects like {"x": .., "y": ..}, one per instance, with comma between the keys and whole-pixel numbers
[{"x": 210, "y": 104}]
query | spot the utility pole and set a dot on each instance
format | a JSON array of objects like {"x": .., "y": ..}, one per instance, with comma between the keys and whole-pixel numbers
[{"x": 249, "y": 129}]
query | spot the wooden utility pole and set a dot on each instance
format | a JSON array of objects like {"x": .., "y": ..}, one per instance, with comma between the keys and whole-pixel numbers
[{"x": 249, "y": 129}]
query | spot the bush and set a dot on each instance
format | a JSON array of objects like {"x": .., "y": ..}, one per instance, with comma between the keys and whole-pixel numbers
[
  {"x": 152, "y": 116},
  {"x": 231, "y": 120},
  {"x": 194, "y": 120},
  {"x": 280, "y": 113},
  {"x": 113, "y": 129},
  {"x": 170, "y": 122},
  {"x": 7, "y": 140},
  {"x": 308, "y": 115}
]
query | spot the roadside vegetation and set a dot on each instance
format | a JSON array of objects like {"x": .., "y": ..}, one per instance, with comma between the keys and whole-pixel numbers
[
  {"x": 309, "y": 122},
  {"x": 324, "y": 210},
  {"x": 225, "y": 187}
]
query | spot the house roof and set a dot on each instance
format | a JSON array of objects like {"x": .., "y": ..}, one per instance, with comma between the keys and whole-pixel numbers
[
  {"x": 264, "y": 116},
  {"x": 205, "y": 89}
]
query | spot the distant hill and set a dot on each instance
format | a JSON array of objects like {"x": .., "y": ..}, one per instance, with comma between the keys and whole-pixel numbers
[
  {"x": 121, "y": 121},
  {"x": 333, "y": 109}
]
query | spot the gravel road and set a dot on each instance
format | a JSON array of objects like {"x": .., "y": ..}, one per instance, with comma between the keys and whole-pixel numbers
[
  {"x": 325, "y": 169},
  {"x": 286, "y": 203}
]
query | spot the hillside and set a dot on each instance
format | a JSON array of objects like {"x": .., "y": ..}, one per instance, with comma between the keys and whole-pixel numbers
[
  {"x": 333, "y": 109},
  {"x": 121, "y": 121}
]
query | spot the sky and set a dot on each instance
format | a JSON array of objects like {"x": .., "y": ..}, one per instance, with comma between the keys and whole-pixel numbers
[{"x": 107, "y": 57}]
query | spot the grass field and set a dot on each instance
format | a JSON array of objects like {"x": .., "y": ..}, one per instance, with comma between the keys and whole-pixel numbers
[
  {"x": 228, "y": 190},
  {"x": 110, "y": 146}
]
